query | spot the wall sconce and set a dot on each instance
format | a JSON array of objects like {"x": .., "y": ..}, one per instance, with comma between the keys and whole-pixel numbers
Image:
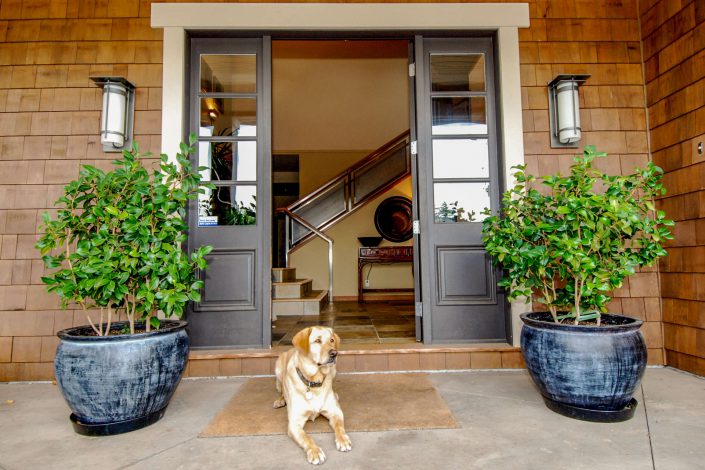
[
  {"x": 117, "y": 117},
  {"x": 564, "y": 110}
]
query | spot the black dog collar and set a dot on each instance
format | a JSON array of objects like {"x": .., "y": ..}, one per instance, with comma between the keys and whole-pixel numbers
[{"x": 309, "y": 383}]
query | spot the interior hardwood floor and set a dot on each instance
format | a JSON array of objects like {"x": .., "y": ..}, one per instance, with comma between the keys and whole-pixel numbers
[{"x": 368, "y": 323}]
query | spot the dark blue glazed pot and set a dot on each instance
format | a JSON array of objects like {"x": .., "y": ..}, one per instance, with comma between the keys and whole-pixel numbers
[
  {"x": 115, "y": 384},
  {"x": 585, "y": 372}
]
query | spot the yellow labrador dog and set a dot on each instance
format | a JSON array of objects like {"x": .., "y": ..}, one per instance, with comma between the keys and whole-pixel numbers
[{"x": 305, "y": 376}]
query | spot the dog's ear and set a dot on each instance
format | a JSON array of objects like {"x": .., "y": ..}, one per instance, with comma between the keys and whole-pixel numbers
[
  {"x": 300, "y": 341},
  {"x": 337, "y": 340}
]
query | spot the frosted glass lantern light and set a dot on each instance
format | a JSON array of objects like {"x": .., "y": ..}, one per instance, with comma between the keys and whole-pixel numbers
[
  {"x": 564, "y": 109},
  {"x": 116, "y": 119}
]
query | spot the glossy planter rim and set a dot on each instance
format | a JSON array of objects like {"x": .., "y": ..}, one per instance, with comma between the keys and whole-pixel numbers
[
  {"x": 73, "y": 334},
  {"x": 634, "y": 324}
]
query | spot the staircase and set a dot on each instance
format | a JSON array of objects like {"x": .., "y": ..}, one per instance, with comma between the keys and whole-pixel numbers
[
  {"x": 291, "y": 296},
  {"x": 311, "y": 215},
  {"x": 347, "y": 192}
]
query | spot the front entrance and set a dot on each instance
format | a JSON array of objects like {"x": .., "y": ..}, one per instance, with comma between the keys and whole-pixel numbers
[
  {"x": 454, "y": 175},
  {"x": 342, "y": 165}
]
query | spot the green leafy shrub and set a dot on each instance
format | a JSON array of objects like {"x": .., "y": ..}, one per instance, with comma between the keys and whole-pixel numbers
[
  {"x": 574, "y": 245},
  {"x": 116, "y": 243}
]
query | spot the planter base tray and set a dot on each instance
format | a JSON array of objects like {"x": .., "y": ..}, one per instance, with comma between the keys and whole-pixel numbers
[
  {"x": 118, "y": 427},
  {"x": 597, "y": 416}
]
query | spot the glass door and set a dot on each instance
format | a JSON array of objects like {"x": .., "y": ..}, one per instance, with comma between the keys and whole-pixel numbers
[
  {"x": 229, "y": 102},
  {"x": 458, "y": 179}
]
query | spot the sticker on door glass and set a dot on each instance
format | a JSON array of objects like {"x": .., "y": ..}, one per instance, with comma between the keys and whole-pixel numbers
[{"x": 207, "y": 220}]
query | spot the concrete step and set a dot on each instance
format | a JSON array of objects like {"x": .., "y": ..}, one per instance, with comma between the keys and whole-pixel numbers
[
  {"x": 283, "y": 274},
  {"x": 295, "y": 289},
  {"x": 310, "y": 304}
]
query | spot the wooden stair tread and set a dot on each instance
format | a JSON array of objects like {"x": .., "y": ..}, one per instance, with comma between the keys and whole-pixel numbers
[
  {"x": 314, "y": 295},
  {"x": 293, "y": 282}
]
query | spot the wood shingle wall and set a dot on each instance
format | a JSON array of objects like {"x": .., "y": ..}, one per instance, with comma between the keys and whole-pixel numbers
[
  {"x": 673, "y": 34},
  {"x": 49, "y": 122},
  {"x": 600, "y": 38},
  {"x": 49, "y": 112}
]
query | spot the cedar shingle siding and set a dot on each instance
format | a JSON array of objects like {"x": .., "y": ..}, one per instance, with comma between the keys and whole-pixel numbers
[
  {"x": 49, "y": 118},
  {"x": 673, "y": 35}
]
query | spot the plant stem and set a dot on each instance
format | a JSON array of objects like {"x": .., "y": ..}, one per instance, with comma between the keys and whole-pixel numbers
[
  {"x": 93, "y": 325},
  {"x": 577, "y": 299},
  {"x": 551, "y": 306},
  {"x": 132, "y": 316},
  {"x": 553, "y": 291},
  {"x": 110, "y": 313}
]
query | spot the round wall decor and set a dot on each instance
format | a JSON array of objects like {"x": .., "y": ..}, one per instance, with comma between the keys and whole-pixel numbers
[{"x": 393, "y": 219}]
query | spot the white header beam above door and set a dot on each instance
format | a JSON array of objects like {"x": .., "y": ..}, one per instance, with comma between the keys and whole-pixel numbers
[{"x": 336, "y": 16}]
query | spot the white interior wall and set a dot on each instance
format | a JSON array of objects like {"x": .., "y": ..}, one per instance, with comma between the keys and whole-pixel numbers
[{"x": 338, "y": 104}]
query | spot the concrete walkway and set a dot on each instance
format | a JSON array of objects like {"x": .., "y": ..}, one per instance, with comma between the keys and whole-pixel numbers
[{"x": 504, "y": 425}]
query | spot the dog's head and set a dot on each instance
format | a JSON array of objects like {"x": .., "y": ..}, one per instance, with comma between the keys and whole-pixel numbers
[{"x": 318, "y": 343}]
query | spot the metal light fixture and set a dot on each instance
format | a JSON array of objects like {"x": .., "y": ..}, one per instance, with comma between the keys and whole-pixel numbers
[
  {"x": 117, "y": 117},
  {"x": 564, "y": 109}
]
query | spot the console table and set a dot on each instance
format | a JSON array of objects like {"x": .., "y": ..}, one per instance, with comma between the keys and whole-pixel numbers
[{"x": 382, "y": 255}]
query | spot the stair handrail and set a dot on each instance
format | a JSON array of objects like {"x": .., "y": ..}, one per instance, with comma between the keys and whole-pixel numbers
[
  {"x": 322, "y": 235},
  {"x": 344, "y": 174}
]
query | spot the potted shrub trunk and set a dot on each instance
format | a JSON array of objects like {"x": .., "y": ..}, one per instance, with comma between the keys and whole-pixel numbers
[
  {"x": 567, "y": 242},
  {"x": 114, "y": 251}
]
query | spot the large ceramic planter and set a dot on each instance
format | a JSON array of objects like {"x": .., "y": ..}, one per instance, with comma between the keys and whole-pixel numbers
[
  {"x": 585, "y": 372},
  {"x": 115, "y": 384}
]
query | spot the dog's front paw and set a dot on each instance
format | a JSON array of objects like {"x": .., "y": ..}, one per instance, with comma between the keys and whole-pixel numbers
[
  {"x": 315, "y": 455},
  {"x": 343, "y": 443},
  {"x": 279, "y": 402}
]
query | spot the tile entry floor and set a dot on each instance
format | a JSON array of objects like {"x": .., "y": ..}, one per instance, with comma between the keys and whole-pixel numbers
[{"x": 368, "y": 323}]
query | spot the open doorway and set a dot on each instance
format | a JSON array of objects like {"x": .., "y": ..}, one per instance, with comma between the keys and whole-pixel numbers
[{"x": 341, "y": 167}]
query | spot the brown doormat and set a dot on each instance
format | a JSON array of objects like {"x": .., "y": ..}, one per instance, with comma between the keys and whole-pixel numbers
[{"x": 370, "y": 402}]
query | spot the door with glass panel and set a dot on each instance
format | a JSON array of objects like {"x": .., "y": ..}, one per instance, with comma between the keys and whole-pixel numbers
[
  {"x": 457, "y": 179},
  {"x": 229, "y": 109}
]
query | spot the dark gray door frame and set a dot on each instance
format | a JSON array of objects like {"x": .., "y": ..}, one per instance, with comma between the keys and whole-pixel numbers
[
  {"x": 452, "y": 318},
  {"x": 239, "y": 315},
  {"x": 424, "y": 251},
  {"x": 418, "y": 301}
]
